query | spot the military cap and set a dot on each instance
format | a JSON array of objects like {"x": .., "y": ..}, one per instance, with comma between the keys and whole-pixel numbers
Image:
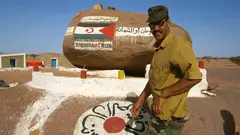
[{"x": 157, "y": 13}]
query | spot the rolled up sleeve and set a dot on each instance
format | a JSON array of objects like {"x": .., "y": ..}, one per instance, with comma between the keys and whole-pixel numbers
[{"x": 186, "y": 61}]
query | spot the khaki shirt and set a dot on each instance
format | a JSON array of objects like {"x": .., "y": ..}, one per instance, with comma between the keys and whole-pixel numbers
[{"x": 173, "y": 59}]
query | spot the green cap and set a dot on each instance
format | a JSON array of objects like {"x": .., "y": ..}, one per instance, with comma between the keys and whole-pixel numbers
[{"x": 157, "y": 13}]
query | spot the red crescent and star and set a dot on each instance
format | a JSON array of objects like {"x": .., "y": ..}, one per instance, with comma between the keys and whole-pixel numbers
[
  {"x": 90, "y": 30},
  {"x": 109, "y": 30}
]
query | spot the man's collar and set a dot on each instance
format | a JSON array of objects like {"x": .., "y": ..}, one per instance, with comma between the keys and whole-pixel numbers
[{"x": 156, "y": 46}]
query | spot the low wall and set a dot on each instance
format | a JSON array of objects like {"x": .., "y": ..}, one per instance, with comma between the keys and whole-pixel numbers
[{"x": 101, "y": 87}]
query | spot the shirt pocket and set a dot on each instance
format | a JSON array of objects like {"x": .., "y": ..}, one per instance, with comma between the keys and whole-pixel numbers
[
  {"x": 162, "y": 66},
  {"x": 159, "y": 76}
]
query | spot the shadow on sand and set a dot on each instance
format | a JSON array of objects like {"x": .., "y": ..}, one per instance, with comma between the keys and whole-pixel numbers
[{"x": 229, "y": 123}]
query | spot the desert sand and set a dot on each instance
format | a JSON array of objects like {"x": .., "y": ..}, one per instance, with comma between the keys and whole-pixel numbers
[{"x": 208, "y": 116}]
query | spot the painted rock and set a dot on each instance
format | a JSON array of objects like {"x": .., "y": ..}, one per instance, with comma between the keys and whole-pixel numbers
[{"x": 109, "y": 39}]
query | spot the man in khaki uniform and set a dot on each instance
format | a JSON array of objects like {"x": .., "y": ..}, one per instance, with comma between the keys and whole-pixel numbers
[
  {"x": 174, "y": 70},
  {"x": 178, "y": 31}
]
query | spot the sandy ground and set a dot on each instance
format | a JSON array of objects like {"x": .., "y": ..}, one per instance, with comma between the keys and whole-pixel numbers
[
  {"x": 207, "y": 115},
  {"x": 13, "y": 101}
]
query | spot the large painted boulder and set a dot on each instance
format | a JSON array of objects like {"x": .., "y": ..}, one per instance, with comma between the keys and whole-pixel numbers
[{"x": 109, "y": 39}]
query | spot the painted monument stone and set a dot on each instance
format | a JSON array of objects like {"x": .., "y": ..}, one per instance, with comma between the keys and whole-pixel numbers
[
  {"x": 106, "y": 36},
  {"x": 112, "y": 117}
]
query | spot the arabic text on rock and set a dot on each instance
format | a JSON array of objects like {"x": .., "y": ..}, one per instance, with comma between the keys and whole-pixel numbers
[
  {"x": 99, "y": 18},
  {"x": 130, "y": 31}
]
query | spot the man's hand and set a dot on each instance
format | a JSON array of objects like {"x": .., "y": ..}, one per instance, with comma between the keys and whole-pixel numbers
[
  {"x": 143, "y": 96},
  {"x": 156, "y": 106},
  {"x": 136, "y": 109}
]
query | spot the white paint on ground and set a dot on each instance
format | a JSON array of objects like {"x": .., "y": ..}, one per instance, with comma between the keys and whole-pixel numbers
[
  {"x": 58, "y": 89},
  {"x": 36, "y": 115},
  {"x": 92, "y": 87},
  {"x": 92, "y": 121},
  {"x": 97, "y": 87},
  {"x": 203, "y": 85}
]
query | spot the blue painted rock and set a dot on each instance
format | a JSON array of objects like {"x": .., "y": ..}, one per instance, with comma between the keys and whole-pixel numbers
[{"x": 109, "y": 39}]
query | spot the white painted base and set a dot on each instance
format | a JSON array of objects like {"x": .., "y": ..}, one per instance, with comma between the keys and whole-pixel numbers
[{"x": 98, "y": 87}]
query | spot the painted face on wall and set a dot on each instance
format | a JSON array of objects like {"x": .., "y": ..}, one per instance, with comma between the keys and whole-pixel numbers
[
  {"x": 112, "y": 117},
  {"x": 159, "y": 29}
]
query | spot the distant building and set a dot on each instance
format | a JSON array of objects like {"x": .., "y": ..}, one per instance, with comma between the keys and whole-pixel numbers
[{"x": 13, "y": 60}]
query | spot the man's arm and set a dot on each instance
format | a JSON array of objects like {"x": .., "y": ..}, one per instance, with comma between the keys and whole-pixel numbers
[
  {"x": 145, "y": 94},
  {"x": 183, "y": 85},
  {"x": 186, "y": 61}
]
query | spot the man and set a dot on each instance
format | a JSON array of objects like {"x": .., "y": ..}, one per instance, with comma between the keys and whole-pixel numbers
[
  {"x": 178, "y": 30},
  {"x": 174, "y": 70}
]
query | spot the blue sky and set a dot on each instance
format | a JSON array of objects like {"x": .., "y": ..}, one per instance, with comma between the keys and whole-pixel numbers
[{"x": 36, "y": 26}]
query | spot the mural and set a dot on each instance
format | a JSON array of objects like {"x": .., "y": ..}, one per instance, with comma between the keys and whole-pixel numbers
[
  {"x": 112, "y": 117},
  {"x": 94, "y": 31},
  {"x": 94, "y": 36}
]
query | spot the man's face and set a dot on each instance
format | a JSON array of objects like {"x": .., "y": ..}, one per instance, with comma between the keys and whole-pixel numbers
[{"x": 159, "y": 29}]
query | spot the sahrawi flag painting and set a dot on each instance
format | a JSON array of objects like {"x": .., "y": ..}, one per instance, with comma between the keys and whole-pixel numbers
[{"x": 94, "y": 31}]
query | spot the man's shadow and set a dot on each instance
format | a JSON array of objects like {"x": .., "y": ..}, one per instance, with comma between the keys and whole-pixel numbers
[{"x": 229, "y": 122}]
